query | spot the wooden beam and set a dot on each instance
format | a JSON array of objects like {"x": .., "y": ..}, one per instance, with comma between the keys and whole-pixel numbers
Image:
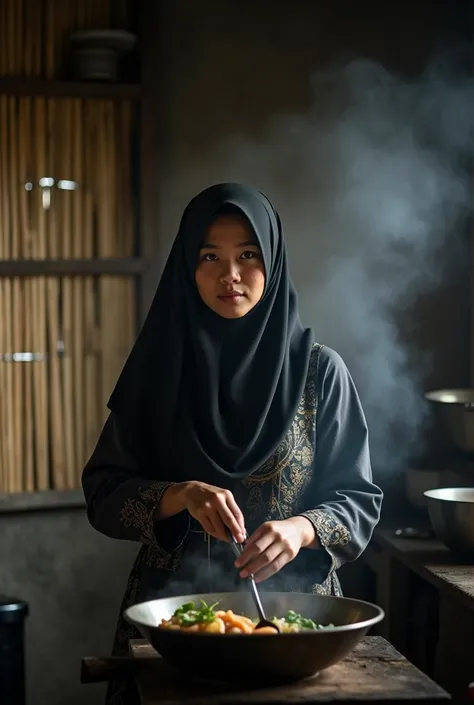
[
  {"x": 12, "y": 85},
  {"x": 117, "y": 266},
  {"x": 149, "y": 150}
]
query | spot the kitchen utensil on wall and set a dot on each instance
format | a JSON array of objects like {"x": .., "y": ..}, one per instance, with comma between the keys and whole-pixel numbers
[{"x": 96, "y": 53}]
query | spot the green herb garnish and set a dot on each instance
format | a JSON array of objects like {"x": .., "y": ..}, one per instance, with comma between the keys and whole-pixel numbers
[
  {"x": 298, "y": 620},
  {"x": 187, "y": 614},
  {"x": 303, "y": 622}
]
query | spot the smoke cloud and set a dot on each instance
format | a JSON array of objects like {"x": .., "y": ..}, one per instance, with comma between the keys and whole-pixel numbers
[{"x": 372, "y": 186}]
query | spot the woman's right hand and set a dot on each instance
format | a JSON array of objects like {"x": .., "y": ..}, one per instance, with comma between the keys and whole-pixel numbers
[{"x": 215, "y": 509}]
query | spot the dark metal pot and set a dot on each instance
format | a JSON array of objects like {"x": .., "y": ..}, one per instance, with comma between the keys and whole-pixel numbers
[
  {"x": 279, "y": 658},
  {"x": 454, "y": 414}
]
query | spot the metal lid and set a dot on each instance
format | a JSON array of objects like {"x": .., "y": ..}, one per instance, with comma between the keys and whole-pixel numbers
[{"x": 9, "y": 605}]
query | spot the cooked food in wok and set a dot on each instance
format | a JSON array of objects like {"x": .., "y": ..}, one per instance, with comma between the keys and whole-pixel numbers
[
  {"x": 281, "y": 658},
  {"x": 207, "y": 619}
]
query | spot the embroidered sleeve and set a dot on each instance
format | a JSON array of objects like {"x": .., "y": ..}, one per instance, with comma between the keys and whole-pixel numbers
[
  {"x": 349, "y": 502},
  {"x": 332, "y": 535},
  {"x": 121, "y": 504}
]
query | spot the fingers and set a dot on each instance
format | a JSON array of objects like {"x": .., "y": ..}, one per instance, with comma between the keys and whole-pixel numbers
[
  {"x": 207, "y": 525},
  {"x": 271, "y": 546},
  {"x": 258, "y": 542},
  {"x": 232, "y": 517},
  {"x": 217, "y": 510},
  {"x": 255, "y": 545},
  {"x": 261, "y": 561},
  {"x": 215, "y": 523},
  {"x": 277, "y": 564},
  {"x": 212, "y": 523},
  {"x": 238, "y": 518},
  {"x": 266, "y": 551}
]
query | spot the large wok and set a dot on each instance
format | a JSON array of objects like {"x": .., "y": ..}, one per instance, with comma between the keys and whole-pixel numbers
[{"x": 283, "y": 657}]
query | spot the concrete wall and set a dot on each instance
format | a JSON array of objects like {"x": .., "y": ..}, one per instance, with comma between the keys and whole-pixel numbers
[
  {"x": 226, "y": 69},
  {"x": 73, "y": 579}
]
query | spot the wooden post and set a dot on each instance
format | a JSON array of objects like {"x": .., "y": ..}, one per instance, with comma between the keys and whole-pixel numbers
[{"x": 149, "y": 142}]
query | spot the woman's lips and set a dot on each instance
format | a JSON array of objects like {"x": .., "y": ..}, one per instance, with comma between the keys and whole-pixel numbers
[{"x": 231, "y": 298}]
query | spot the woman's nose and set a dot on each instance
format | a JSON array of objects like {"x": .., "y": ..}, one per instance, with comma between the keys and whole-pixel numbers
[{"x": 230, "y": 274}]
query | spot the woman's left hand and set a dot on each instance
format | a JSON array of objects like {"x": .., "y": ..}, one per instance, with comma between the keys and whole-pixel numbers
[{"x": 273, "y": 545}]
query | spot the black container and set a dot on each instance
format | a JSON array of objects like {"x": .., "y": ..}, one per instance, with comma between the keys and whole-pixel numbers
[{"x": 12, "y": 651}]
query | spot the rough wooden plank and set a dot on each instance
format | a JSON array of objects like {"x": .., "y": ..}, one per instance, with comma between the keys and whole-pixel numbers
[
  {"x": 374, "y": 671},
  {"x": 40, "y": 501},
  {"x": 117, "y": 266},
  {"x": 433, "y": 562},
  {"x": 18, "y": 86},
  {"x": 141, "y": 648},
  {"x": 454, "y": 664},
  {"x": 369, "y": 647}
]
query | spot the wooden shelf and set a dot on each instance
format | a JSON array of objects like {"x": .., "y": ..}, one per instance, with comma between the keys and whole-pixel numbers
[
  {"x": 17, "y": 86},
  {"x": 42, "y": 501},
  {"x": 117, "y": 266}
]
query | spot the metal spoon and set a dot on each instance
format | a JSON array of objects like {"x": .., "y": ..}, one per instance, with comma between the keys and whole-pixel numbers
[{"x": 263, "y": 621}]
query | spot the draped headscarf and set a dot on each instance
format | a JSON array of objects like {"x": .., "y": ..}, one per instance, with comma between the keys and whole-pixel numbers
[{"x": 205, "y": 397}]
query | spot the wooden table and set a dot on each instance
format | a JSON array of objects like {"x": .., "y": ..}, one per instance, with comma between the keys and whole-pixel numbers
[
  {"x": 403, "y": 565},
  {"x": 433, "y": 562},
  {"x": 373, "y": 672}
]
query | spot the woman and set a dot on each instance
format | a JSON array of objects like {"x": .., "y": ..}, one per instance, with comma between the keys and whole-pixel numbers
[{"x": 227, "y": 415}]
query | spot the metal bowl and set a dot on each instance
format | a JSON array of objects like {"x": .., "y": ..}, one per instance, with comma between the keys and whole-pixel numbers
[
  {"x": 451, "y": 511},
  {"x": 454, "y": 413},
  {"x": 279, "y": 658}
]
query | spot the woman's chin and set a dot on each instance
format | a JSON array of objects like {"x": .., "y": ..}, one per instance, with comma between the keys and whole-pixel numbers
[{"x": 232, "y": 310}]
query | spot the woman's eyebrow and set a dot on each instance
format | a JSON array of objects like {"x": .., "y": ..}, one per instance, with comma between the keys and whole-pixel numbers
[
  {"x": 247, "y": 243},
  {"x": 210, "y": 246}
]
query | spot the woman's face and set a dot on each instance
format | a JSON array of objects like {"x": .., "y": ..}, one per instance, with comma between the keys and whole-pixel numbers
[{"x": 230, "y": 274}]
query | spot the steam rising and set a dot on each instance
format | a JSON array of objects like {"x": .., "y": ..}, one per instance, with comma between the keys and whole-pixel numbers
[{"x": 373, "y": 192}]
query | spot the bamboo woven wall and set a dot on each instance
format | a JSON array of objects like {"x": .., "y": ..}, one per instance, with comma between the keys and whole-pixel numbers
[{"x": 63, "y": 340}]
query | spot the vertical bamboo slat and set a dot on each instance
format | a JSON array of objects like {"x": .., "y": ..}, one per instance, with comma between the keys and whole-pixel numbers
[
  {"x": 7, "y": 369},
  {"x": 58, "y": 464},
  {"x": 78, "y": 292},
  {"x": 91, "y": 350},
  {"x": 58, "y": 460},
  {"x": 17, "y": 310},
  {"x": 67, "y": 303},
  {"x": 39, "y": 334},
  {"x": 27, "y": 298}
]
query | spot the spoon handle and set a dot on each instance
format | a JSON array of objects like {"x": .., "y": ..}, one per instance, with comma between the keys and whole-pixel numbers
[
  {"x": 256, "y": 598},
  {"x": 237, "y": 549}
]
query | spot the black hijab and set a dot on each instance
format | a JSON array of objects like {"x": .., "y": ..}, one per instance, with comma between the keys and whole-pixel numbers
[{"x": 201, "y": 396}]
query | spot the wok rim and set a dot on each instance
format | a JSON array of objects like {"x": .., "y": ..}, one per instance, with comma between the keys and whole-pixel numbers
[{"x": 366, "y": 624}]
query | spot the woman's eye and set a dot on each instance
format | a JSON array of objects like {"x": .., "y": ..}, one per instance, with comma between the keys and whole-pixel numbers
[
  {"x": 248, "y": 254},
  {"x": 209, "y": 257}
]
